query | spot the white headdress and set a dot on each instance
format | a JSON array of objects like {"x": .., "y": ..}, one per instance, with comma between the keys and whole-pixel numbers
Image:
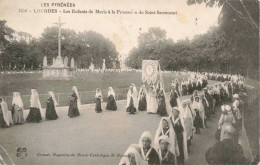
[
  {"x": 148, "y": 135},
  {"x": 132, "y": 149},
  {"x": 35, "y": 101},
  {"x": 6, "y": 114},
  {"x": 172, "y": 136},
  {"x": 133, "y": 94},
  {"x": 111, "y": 92},
  {"x": 74, "y": 89},
  {"x": 99, "y": 94},
  {"x": 17, "y": 100},
  {"x": 53, "y": 98}
]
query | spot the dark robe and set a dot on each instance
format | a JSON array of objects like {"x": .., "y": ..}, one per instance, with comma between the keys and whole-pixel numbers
[
  {"x": 50, "y": 110},
  {"x": 177, "y": 88},
  {"x": 2, "y": 121},
  {"x": 235, "y": 89},
  {"x": 98, "y": 107},
  {"x": 34, "y": 115},
  {"x": 204, "y": 83},
  {"x": 161, "y": 110},
  {"x": 111, "y": 103},
  {"x": 230, "y": 92},
  {"x": 164, "y": 131},
  {"x": 194, "y": 87},
  {"x": 131, "y": 108},
  {"x": 210, "y": 101},
  {"x": 73, "y": 108},
  {"x": 192, "y": 98},
  {"x": 226, "y": 152},
  {"x": 173, "y": 99},
  {"x": 178, "y": 129},
  {"x": 190, "y": 90},
  {"x": 142, "y": 103},
  {"x": 199, "y": 87},
  {"x": 206, "y": 108},
  {"x": 152, "y": 158},
  {"x": 184, "y": 90},
  {"x": 198, "y": 120},
  {"x": 168, "y": 158}
]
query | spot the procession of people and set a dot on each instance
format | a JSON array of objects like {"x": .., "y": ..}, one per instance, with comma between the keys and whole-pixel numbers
[{"x": 180, "y": 119}]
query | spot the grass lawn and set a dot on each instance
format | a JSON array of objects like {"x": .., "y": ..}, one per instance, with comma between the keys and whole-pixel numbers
[{"x": 85, "y": 82}]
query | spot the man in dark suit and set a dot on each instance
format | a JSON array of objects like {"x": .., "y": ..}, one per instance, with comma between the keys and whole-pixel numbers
[{"x": 227, "y": 151}]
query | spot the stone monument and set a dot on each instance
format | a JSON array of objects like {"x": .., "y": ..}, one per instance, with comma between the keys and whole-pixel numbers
[
  {"x": 59, "y": 69},
  {"x": 104, "y": 65}
]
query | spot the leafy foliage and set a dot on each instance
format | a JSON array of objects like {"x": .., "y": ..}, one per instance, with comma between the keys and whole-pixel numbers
[{"x": 83, "y": 47}]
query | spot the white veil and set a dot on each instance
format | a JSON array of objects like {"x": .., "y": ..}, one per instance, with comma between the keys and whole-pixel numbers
[
  {"x": 53, "y": 98},
  {"x": 34, "y": 100},
  {"x": 132, "y": 149},
  {"x": 172, "y": 136},
  {"x": 6, "y": 114},
  {"x": 142, "y": 88},
  {"x": 74, "y": 89},
  {"x": 111, "y": 92},
  {"x": 186, "y": 156},
  {"x": 134, "y": 95},
  {"x": 99, "y": 94},
  {"x": 17, "y": 100}
]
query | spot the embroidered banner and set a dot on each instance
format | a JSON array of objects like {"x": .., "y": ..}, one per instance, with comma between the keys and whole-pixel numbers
[{"x": 149, "y": 71}]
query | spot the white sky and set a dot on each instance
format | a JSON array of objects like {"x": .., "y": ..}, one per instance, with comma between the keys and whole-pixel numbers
[{"x": 122, "y": 30}]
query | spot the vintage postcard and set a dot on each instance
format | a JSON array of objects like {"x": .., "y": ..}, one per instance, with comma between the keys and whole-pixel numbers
[{"x": 150, "y": 82}]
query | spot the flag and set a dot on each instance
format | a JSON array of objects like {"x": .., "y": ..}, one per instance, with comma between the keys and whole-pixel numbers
[{"x": 149, "y": 71}]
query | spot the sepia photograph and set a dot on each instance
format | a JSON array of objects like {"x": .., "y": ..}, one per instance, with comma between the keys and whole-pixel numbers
[{"x": 110, "y": 82}]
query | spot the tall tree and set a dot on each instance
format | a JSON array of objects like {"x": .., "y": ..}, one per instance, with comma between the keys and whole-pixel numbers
[{"x": 5, "y": 36}]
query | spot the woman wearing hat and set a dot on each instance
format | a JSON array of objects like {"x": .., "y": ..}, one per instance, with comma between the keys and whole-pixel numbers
[
  {"x": 226, "y": 118},
  {"x": 179, "y": 129}
]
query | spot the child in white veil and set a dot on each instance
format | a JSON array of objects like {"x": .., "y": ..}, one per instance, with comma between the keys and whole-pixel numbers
[
  {"x": 7, "y": 116},
  {"x": 149, "y": 154},
  {"x": 132, "y": 92},
  {"x": 51, "y": 107},
  {"x": 17, "y": 108},
  {"x": 35, "y": 114},
  {"x": 142, "y": 99},
  {"x": 75, "y": 103},
  {"x": 74, "y": 88},
  {"x": 111, "y": 103},
  {"x": 99, "y": 99},
  {"x": 53, "y": 98},
  {"x": 133, "y": 153},
  {"x": 170, "y": 133}
]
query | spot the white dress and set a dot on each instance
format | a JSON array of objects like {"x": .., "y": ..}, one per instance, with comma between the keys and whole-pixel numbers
[{"x": 152, "y": 104}]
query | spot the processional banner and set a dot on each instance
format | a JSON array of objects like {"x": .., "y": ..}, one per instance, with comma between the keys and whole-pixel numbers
[{"x": 149, "y": 71}]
